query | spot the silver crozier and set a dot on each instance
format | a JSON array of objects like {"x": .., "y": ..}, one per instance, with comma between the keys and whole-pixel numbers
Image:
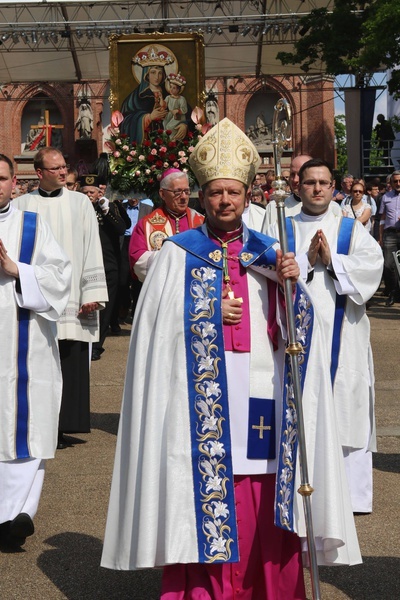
[{"x": 281, "y": 134}]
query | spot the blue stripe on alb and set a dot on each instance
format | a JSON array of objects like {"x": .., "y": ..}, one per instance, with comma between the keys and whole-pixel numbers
[
  {"x": 343, "y": 247},
  {"x": 25, "y": 256},
  {"x": 290, "y": 235}
]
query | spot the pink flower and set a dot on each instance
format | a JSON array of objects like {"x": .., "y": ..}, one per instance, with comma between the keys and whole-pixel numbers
[
  {"x": 197, "y": 115},
  {"x": 181, "y": 153},
  {"x": 206, "y": 127},
  {"x": 153, "y": 152},
  {"x": 116, "y": 118},
  {"x": 176, "y": 164},
  {"x": 129, "y": 158},
  {"x": 112, "y": 131},
  {"x": 126, "y": 148},
  {"x": 116, "y": 154},
  {"x": 110, "y": 145},
  {"x": 147, "y": 171},
  {"x": 163, "y": 149},
  {"x": 118, "y": 142},
  {"x": 182, "y": 160},
  {"x": 137, "y": 173},
  {"x": 166, "y": 165},
  {"x": 141, "y": 157},
  {"x": 133, "y": 152},
  {"x": 191, "y": 148}
]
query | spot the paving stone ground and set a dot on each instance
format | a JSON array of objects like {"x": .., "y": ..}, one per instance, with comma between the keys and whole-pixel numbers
[{"x": 62, "y": 559}]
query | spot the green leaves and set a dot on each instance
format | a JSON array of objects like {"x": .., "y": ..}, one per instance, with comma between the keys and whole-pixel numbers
[{"x": 356, "y": 37}]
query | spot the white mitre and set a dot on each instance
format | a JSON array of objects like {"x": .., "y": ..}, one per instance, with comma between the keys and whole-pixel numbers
[{"x": 225, "y": 152}]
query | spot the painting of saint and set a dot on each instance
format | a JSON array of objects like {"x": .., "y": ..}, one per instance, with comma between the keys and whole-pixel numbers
[{"x": 145, "y": 109}]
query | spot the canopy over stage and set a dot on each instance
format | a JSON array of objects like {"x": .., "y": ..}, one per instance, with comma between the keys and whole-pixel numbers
[{"x": 68, "y": 40}]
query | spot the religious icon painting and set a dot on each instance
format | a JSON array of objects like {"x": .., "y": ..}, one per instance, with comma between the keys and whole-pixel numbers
[{"x": 156, "y": 81}]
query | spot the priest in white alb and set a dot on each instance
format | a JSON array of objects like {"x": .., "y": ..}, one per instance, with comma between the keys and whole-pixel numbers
[
  {"x": 74, "y": 225},
  {"x": 35, "y": 278},
  {"x": 342, "y": 264},
  {"x": 206, "y": 451}
]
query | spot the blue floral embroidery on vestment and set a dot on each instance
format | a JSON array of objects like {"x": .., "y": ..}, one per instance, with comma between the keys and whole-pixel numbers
[
  {"x": 285, "y": 491},
  {"x": 207, "y": 387}
]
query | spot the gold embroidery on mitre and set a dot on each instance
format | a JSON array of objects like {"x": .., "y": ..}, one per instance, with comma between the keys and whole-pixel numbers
[
  {"x": 216, "y": 255},
  {"x": 158, "y": 219},
  {"x": 246, "y": 256},
  {"x": 225, "y": 152},
  {"x": 89, "y": 180}
]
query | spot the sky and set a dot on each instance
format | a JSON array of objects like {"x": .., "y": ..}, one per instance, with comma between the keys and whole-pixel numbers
[{"x": 380, "y": 99}]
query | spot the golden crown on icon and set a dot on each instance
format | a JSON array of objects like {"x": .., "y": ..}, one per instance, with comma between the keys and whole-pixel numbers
[{"x": 153, "y": 57}]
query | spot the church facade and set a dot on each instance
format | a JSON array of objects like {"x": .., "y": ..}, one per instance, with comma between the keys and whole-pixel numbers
[{"x": 75, "y": 117}]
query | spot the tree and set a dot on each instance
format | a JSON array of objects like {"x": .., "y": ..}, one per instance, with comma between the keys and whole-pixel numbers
[{"x": 355, "y": 37}]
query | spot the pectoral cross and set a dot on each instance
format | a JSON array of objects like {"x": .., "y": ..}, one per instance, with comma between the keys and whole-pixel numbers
[
  {"x": 47, "y": 127},
  {"x": 231, "y": 296},
  {"x": 261, "y": 427}
]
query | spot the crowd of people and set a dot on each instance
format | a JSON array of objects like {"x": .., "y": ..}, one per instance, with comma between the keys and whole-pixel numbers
[{"x": 208, "y": 407}]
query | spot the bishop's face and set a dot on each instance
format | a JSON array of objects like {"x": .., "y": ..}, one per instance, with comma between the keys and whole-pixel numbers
[
  {"x": 176, "y": 196},
  {"x": 224, "y": 201}
]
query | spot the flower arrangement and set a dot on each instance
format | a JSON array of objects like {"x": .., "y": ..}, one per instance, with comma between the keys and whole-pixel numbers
[{"x": 140, "y": 166}]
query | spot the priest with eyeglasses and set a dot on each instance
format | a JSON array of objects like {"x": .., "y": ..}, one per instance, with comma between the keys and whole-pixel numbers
[
  {"x": 74, "y": 225},
  {"x": 342, "y": 265}
]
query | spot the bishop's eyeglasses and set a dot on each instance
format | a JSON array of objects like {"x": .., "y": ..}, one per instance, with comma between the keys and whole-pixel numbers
[{"x": 178, "y": 193}]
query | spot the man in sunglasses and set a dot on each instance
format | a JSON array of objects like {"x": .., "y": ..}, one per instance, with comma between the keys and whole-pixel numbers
[
  {"x": 173, "y": 216},
  {"x": 74, "y": 225}
]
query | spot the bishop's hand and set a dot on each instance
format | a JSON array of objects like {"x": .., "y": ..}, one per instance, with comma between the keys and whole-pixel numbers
[
  {"x": 286, "y": 267},
  {"x": 231, "y": 309}
]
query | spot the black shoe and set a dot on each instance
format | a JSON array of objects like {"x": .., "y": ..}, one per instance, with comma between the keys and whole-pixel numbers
[
  {"x": 20, "y": 528},
  {"x": 115, "y": 329},
  {"x": 96, "y": 354},
  {"x": 390, "y": 299},
  {"x": 61, "y": 442},
  {"x": 4, "y": 530}
]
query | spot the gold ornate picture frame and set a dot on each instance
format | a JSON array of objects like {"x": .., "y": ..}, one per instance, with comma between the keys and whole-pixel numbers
[{"x": 131, "y": 58}]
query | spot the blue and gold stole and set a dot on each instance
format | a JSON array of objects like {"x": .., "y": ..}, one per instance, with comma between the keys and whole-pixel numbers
[{"x": 217, "y": 536}]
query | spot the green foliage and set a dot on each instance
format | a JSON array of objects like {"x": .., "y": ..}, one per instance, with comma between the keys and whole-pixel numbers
[
  {"x": 376, "y": 153},
  {"x": 356, "y": 37},
  {"x": 395, "y": 123},
  {"x": 341, "y": 144}
]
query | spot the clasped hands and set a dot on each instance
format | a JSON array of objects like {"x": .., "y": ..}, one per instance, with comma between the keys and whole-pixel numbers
[{"x": 319, "y": 247}]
